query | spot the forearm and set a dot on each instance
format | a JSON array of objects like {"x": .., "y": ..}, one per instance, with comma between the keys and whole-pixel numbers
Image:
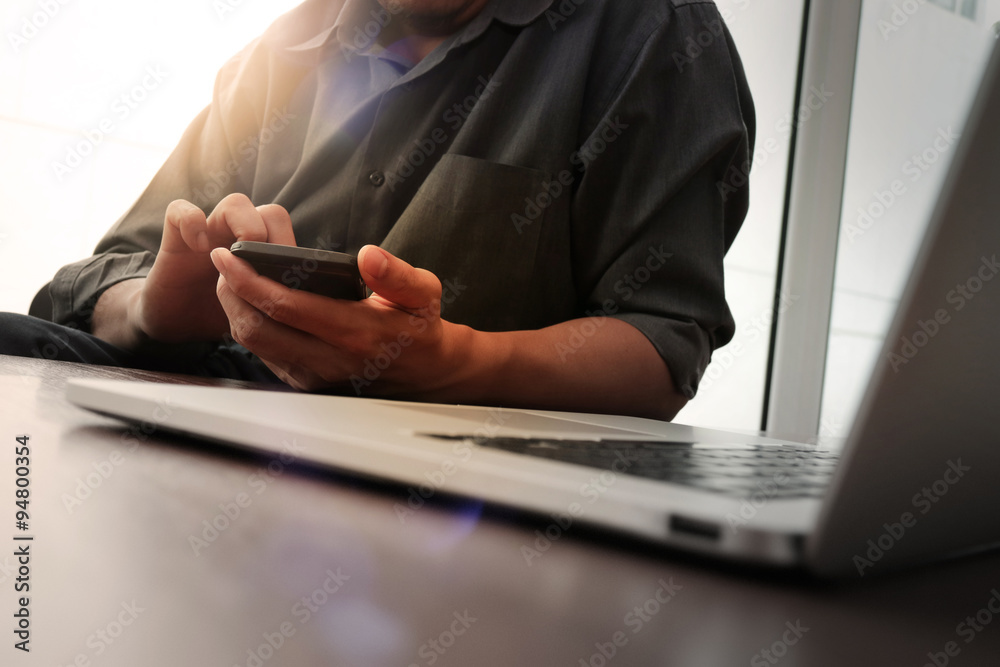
[
  {"x": 113, "y": 319},
  {"x": 587, "y": 365}
]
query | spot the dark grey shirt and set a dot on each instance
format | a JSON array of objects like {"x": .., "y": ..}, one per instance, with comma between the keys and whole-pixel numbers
[{"x": 551, "y": 160}]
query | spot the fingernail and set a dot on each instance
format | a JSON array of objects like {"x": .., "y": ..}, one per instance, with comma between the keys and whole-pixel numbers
[
  {"x": 219, "y": 259},
  {"x": 376, "y": 262},
  {"x": 202, "y": 242}
]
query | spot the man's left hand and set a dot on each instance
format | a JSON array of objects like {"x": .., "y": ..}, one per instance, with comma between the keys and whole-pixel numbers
[{"x": 393, "y": 343}]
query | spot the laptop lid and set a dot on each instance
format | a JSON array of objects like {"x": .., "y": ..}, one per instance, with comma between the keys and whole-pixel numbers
[{"x": 919, "y": 473}]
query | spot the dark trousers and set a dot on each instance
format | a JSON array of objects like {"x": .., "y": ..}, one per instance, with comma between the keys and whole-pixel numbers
[{"x": 26, "y": 336}]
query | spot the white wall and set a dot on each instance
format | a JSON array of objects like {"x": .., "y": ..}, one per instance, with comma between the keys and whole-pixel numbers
[{"x": 63, "y": 73}]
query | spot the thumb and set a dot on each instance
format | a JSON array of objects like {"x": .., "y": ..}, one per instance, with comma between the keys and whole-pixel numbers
[{"x": 396, "y": 281}]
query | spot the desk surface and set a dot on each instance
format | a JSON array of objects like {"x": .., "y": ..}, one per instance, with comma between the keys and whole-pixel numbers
[{"x": 304, "y": 568}]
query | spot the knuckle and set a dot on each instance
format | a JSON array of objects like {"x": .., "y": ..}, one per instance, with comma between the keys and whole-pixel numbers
[
  {"x": 235, "y": 215},
  {"x": 274, "y": 211},
  {"x": 246, "y": 329},
  {"x": 430, "y": 280},
  {"x": 281, "y": 308},
  {"x": 361, "y": 343},
  {"x": 235, "y": 200},
  {"x": 174, "y": 209}
]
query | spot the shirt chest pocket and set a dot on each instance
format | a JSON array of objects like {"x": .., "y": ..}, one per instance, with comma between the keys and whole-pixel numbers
[{"x": 483, "y": 228}]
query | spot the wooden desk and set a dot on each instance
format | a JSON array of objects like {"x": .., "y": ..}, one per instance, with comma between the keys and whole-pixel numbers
[{"x": 318, "y": 570}]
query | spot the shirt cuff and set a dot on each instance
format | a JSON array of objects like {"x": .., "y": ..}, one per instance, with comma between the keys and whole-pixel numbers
[
  {"x": 684, "y": 346},
  {"x": 76, "y": 287}
]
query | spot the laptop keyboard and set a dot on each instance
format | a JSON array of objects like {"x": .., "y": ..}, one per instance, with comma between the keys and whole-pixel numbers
[{"x": 779, "y": 471}]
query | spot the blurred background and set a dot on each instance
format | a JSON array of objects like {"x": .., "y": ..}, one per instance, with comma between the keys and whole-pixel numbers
[{"x": 96, "y": 93}]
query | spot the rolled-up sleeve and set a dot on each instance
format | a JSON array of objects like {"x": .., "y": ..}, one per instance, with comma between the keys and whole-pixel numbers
[{"x": 658, "y": 205}]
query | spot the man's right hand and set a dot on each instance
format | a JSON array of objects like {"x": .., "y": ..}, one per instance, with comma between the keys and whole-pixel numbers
[{"x": 177, "y": 301}]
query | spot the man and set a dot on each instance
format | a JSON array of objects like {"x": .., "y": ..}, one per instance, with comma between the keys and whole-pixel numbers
[{"x": 549, "y": 184}]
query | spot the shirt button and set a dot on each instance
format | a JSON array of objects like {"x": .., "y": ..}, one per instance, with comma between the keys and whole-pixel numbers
[{"x": 376, "y": 178}]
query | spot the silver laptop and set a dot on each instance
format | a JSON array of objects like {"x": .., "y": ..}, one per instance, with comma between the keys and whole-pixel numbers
[{"x": 916, "y": 480}]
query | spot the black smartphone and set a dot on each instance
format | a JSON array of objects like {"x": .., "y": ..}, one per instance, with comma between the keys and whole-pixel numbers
[{"x": 323, "y": 272}]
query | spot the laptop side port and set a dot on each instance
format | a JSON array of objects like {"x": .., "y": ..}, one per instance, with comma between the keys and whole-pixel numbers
[{"x": 681, "y": 525}]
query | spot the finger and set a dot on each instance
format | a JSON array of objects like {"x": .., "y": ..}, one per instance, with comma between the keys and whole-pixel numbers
[
  {"x": 284, "y": 349},
  {"x": 184, "y": 228},
  {"x": 251, "y": 327},
  {"x": 396, "y": 281},
  {"x": 278, "y": 224},
  {"x": 298, "y": 377},
  {"x": 235, "y": 218}
]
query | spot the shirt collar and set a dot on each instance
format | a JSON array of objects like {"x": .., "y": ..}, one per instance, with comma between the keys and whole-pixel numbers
[
  {"x": 355, "y": 16},
  {"x": 517, "y": 14}
]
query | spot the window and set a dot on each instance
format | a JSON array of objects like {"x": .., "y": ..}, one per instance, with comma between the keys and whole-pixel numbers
[
  {"x": 913, "y": 89},
  {"x": 966, "y": 8},
  {"x": 768, "y": 36}
]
